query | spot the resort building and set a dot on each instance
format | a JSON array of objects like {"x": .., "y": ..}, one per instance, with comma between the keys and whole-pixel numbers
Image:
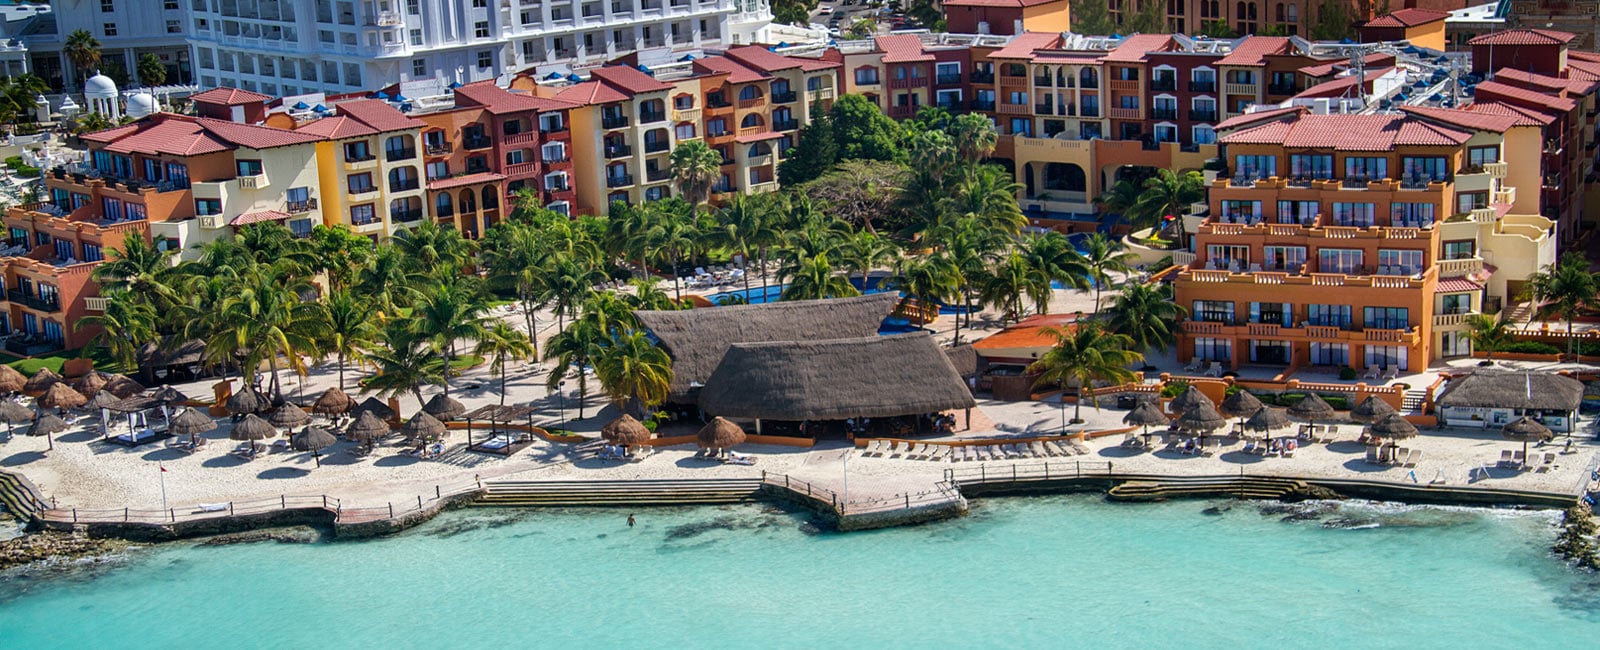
[
  {"x": 1358, "y": 240},
  {"x": 126, "y": 30},
  {"x": 1419, "y": 27},
  {"x": 624, "y": 137},
  {"x": 1491, "y": 399},
  {"x": 371, "y": 169},
  {"x": 1006, "y": 17}
]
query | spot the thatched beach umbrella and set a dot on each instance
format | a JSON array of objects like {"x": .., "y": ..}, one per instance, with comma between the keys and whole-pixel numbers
[
  {"x": 248, "y": 401},
  {"x": 40, "y": 382},
  {"x": 124, "y": 387},
  {"x": 443, "y": 408},
  {"x": 1146, "y": 414},
  {"x": 1526, "y": 429},
  {"x": 288, "y": 416},
  {"x": 11, "y": 381},
  {"x": 625, "y": 431},
  {"x": 192, "y": 423},
  {"x": 91, "y": 383},
  {"x": 14, "y": 413},
  {"x": 1241, "y": 404},
  {"x": 1371, "y": 410},
  {"x": 252, "y": 428},
  {"x": 98, "y": 405},
  {"x": 168, "y": 395},
  {"x": 1189, "y": 397},
  {"x": 1311, "y": 408},
  {"x": 719, "y": 433},
  {"x": 1201, "y": 418},
  {"x": 376, "y": 407},
  {"x": 333, "y": 402},
  {"x": 314, "y": 440},
  {"x": 423, "y": 427},
  {"x": 367, "y": 429},
  {"x": 1393, "y": 427},
  {"x": 1268, "y": 419},
  {"x": 61, "y": 396},
  {"x": 47, "y": 426}
]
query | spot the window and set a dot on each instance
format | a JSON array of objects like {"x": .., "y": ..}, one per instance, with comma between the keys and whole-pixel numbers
[
  {"x": 552, "y": 122},
  {"x": 1017, "y": 97},
  {"x": 1455, "y": 303},
  {"x": 1330, "y": 354},
  {"x": 1387, "y": 356},
  {"x": 1359, "y": 215},
  {"x": 91, "y": 253},
  {"x": 866, "y": 76},
  {"x": 1210, "y": 349},
  {"x": 360, "y": 183},
  {"x": 437, "y": 170},
  {"x": 555, "y": 182},
  {"x": 1272, "y": 313},
  {"x": 416, "y": 37},
  {"x": 480, "y": 29},
  {"x": 717, "y": 126},
  {"x": 1480, "y": 156},
  {"x": 553, "y": 152},
  {"x": 1359, "y": 168},
  {"x": 300, "y": 228},
  {"x": 174, "y": 27},
  {"x": 1213, "y": 311},
  {"x": 361, "y": 215},
  {"x": 1204, "y": 134},
  {"x": 684, "y": 131},
  {"x": 413, "y": 7},
  {"x": 1224, "y": 256},
  {"x": 1339, "y": 260},
  {"x": 1256, "y": 166},
  {"x": 1234, "y": 211},
  {"x": 107, "y": 6},
  {"x": 1287, "y": 259},
  {"x": 514, "y": 157},
  {"x": 1412, "y": 215},
  {"x": 1021, "y": 126},
  {"x": 1329, "y": 316},
  {"x": 419, "y": 67},
  {"x": 683, "y": 102},
  {"x": 298, "y": 198},
  {"x": 357, "y": 151},
  {"x": 1458, "y": 250},
  {"x": 1298, "y": 212},
  {"x": 1422, "y": 168},
  {"x": 110, "y": 29},
  {"x": 748, "y": 93},
  {"x": 1469, "y": 201},
  {"x": 169, "y": 5},
  {"x": 1385, "y": 318},
  {"x": 249, "y": 167},
  {"x": 206, "y": 207},
  {"x": 480, "y": 4},
  {"x": 1319, "y": 166},
  {"x": 485, "y": 59},
  {"x": 1399, "y": 262}
]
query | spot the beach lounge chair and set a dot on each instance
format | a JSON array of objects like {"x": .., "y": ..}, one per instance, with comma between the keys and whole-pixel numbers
[
  {"x": 1194, "y": 364},
  {"x": 964, "y": 454},
  {"x": 1372, "y": 455},
  {"x": 1413, "y": 457},
  {"x": 873, "y": 448},
  {"x": 939, "y": 453},
  {"x": 1505, "y": 459},
  {"x": 212, "y": 507},
  {"x": 1372, "y": 373},
  {"x": 1001, "y": 453},
  {"x": 1060, "y": 449},
  {"x": 1078, "y": 448},
  {"x": 919, "y": 452},
  {"x": 1518, "y": 460},
  {"x": 978, "y": 453},
  {"x": 1010, "y": 451},
  {"x": 1215, "y": 370},
  {"x": 1392, "y": 373},
  {"x": 1548, "y": 461}
]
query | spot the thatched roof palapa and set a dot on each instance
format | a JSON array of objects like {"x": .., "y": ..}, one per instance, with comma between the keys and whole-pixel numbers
[
  {"x": 1202, "y": 418},
  {"x": 101, "y": 400},
  {"x": 91, "y": 383},
  {"x": 376, "y": 407},
  {"x": 1312, "y": 407},
  {"x": 625, "y": 430},
  {"x": 443, "y": 408},
  {"x": 122, "y": 386},
  {"x": 497, "y": 413},
  {"x": 247, "y": 401},
  {"x": 134, "y": 404},
  {"x": 61, "y": 396},
  {"x": 719, "y": 433},
  {"x": 367, "y": 428},
  {"x": 423, "y": 426},
  {"x": 189, "y": 422},
  {"x": 333, "y": 402},
  {"x": 47, "y": 425},
  {"x": 252, "y": 427},
  {"x": 1268, "y": 419},
  {"x": 1371, "y": 410},
  {"x": 1393, "y": 427},
  {"x": 312, "y": 439},
  {"x": 697, "y": 339},
  {"x": 1189, "y": 397},
  {"x": 288, "y": 416},
  {"x": 1241, "y": 404},
  {"x": 874, "y": 376},
  {"x": 968, "y": 363},
  {"x": 1146, "y": 414},
  {"x": 169, "y": 395},
  {"x": 13, "y": 412},
  {"x": 1524, "y": 390},
  {"x": 41, "y": 381},
  {"x": 171, "y": 353},
  {"x": 11, "y": 381},
  {"x": 1526, "y": 430}
]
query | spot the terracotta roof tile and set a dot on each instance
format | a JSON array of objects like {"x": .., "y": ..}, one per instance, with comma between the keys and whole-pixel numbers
[
  {"x": 1379, "y": 59},
  {"x": 258, "y": 217},
  {"x": 1524, "y": 116},
  {"x": 1350, "y": 133},
  {"x": 229, "y": 97},
  {"x": 998, "y": 3},
  {"x": 1452, "y": 285},
  {"x": 1523, "y": 96},
  {"x": 466, "y": 179},
  {"x": 172, "y": 136},
  {"x": 499, "y": 101},
  {"x": 1583, "y": 69},
  {"x": 378, "y": 115},
  {"x": 254, "y": 136},
  {"x": 737, "y": 72},
  {"x": 1408, "y": 18},
  {"x": 757, "y": 137},
  {"x": 1592, "y": 57},
  {"x": 1468, "y": 119},
  {"x": 107, "y": 135},
  {"x": 1524, "y": 37},
  {"x": 628, "y": 79},
  {"x": 765, "y": 60},
  {"x": 587, "y": 93},
  {"x": 337, "y": 127},
  {"x": 1024, "y": 44},
  {"x": 902, "y": 48},
  {"x": 1253, "y": 50},
  {"x": 1530, "y": 80},
  {"x": 1133, "y": 48},
  {"x": 1259, "y": 116}
]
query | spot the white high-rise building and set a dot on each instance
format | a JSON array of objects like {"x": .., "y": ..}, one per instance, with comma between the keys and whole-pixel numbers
[{"x": 284, "y": 47}]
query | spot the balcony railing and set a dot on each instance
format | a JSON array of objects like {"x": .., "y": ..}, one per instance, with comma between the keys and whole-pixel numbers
[
  {"x": 403, "y": 216},
  {"x": 1203, "y": 116},
  {"x": 440, "y": 149},
  {"x": 646, "y": 117},
  {"x": 1283, "y": 89},
  {"x": 788, "y": 97},
  {"x": 52, "y": 304},
  {"x": 618, "y": 151},
  {"x": 1232, "y": 88},
  {"x": 367, "y": 189},
  {"x": 404, "y": 185},
  {"x": 982, "y": 104},
  {"x": 982, "y": 77},
  {"x": 477, "y": 143},
  {"x": 253, "y": 182},
  {"x": 619, "y": 180},
  {"x": 1163, "y": 84},
  {"x": 397, "y": 155},
  {"x": 657, "y": 175},
  {"x": 1163, "y": 113},
  {"x": 947, "y": 79},
  {"x": 298, "y": 207},
  {"x": 785, "y": 125},
  {"x": 1202, "y": 86}
]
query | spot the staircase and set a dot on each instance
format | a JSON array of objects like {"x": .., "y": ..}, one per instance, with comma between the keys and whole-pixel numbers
[
  {"x": 1521, "y": 312},
  {"x": 1412, "y": 402},
  {"x": 18, "y": 500},
  {"x": 620, "y": 493},
  {"x": 1177, "y": 488}
]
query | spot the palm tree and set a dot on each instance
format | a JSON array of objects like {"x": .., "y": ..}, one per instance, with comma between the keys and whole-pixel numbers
[
  {"x": 17, "y": 95},
  {"x": 447, "y": 313},
  {"x": 385, "y": 283},
  {"x": 813, "y": 278},
  {"x": 502, "y": 343},
  {"x": 573, "y": 349},
  {"x": 680, "y": 237},
  {"x": 634, "y": 372},
  {"x": 404, "y": 361},
  {"x": 83, "y": 50},
  {"x": 631, "y": 232},
  {"x": 743, "y": 226},
  {"x": 150, "y": 71},
  {"x": 1563, "y": 289},
  {"x": 1122, "y": 198},
  {"x": 1487, "y": 334},
  {"x": 433, "y": 250},
  {"x": 565, "y": 284},
  {"x": 350, "y": 326},
  {"x": 863, "y": 251},
  {"x": 1104, "y": 256},
  {"x": 974, "y": 137},
  {"x": 1011, "y": 280},
  {"x": 266, "y": 318},
  {"x": 515, "y": 261},
  {"x": 126, "y": 324},
  {"x": 1082, "y": 354},
  {"x": 1147, "y": 315},
  {"x": 695, "y": 167},
  {"x": 139, "y": 269},
  {"x": 1168, "y": 194},
  {"x": 990, "y": 196}
]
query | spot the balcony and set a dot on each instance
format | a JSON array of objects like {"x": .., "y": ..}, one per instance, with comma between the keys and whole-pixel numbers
[
  {"x": 358, "y": 191},
  {"x": 947, "y": 79},
  {"x": 1239, "y": 89},
  {"x": 716, "y": 101},
  {"x": 787, "y": 97},
  {"x": 32, "y": 345},
  {"x": 302, "y": 207},
  {"x": 405, "y": 216},
  {"x": 212, "y": 221},
  {"x": 1202, "y": 86},
  {"x": 1163, "y": 113},
  {"x": 1014, "y": 109},
  {"x": 657, "y": 175},
  {"x": 1203, "y": 116},
  {"x": 518, "y": 139},
  {"x": 479, "y": 142},
  {"x": 1495, "y": 170},
  {"x": 368, "y": 161},
  {"x": 656, "y": 146},
  {"x": 908, "y": 82},
  {"x": 553, "y": 128},
  {"x": 825, "y": 92},
  {"x": 94, "y": 303},
  {"x": 520, "y": 170},
  {"x": 404, "y": 185},
  {"x": 397, "y": 155},
  {"x": 686, "y": 115},
  {"x": 1304, "y": 331},
  {"x": 48, "y": 305},
  {"x": 256, "y": 182},
  {"x": 1043, "y": 109},
  {"x": 785, "y": 125},
  {"x": 1283, "y": 89},
  {"x": 981, "y": 77},
  {"x": 1125, "y": 113},
  {"x": 440, "y": 149},
  {"x": 649, "y": 117},
  {"x": 981, "y": 104},
  {"x": 1460, "y": 267},
  {"x": 1159, "y": 84},
  {"x": 618, "y": 151},
  {"x": 1126, "y": 86}
]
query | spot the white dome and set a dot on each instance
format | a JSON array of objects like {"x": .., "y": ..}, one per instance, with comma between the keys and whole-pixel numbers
[
  {"x": 100, "y": 87},
  {"x": 140, "y": 105}
]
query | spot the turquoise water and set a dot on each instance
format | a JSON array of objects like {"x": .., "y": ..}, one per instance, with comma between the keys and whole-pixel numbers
[{"x": 1053, "y": 572}]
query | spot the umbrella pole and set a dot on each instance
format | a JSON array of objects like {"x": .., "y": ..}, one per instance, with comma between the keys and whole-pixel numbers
[{"x": 316, "y": 455}]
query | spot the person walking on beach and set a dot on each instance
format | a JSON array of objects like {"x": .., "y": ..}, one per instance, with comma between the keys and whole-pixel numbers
[{"x": 630, "y": 520}]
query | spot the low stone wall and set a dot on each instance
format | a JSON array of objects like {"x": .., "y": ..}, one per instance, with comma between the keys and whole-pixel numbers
[
  {"x": 148, "y": 532},
  {"x": 386, "y": 526},
  {"x": 915, "y": 514}
]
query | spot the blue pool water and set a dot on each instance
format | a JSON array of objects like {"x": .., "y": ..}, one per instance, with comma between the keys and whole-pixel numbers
[{"x": 1049, "y": 572}]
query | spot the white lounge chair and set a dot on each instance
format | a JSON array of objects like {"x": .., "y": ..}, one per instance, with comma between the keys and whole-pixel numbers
[
  {"x": 1215, "y": 370},
  {"x": 1392, "y": 373},
  {"x": 1194, "y": 365},
  {"x": 1372, "y": 373},
  {"x": 1506, "y": 459}
]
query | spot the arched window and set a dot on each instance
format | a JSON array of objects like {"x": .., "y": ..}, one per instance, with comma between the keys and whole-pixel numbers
[
  {"x": 1087, "y": 78},
  {"x": 491, "y": 197},
  {"x": 442, "y": 206},
  {"x": 759, "y": 149},
  {"x": 1292, "y": 14},
  {"x": 749, "y": 92},
  {"x": 1278, "y": 12},
  {"x": 402, "y": 179},
  {"x": 751, "y": 120},
  {"x": 468, "y": 203}
]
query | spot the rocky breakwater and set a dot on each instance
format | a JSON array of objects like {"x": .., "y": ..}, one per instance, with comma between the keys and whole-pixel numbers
[{"x": 52, "y": 547}]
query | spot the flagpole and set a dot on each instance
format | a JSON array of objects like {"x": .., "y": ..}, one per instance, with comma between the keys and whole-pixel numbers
[{"x": 163, "y": 473}]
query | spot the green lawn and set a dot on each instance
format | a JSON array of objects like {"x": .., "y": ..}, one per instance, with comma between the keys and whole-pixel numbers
[
  {"x": 55, "y": 361},
  {"x": 466, "y": 361}
]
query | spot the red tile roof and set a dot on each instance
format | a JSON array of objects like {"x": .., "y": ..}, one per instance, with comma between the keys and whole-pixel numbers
[
  {"x": 1408, "y": 18},
  {"x": 757, "y": 137},
  {"x": 1592, "y": 57},
  {"x": 999, "y": 3},
  {"x": 107, "y": 135},
  {"x": 1133, "y": 48},
  {"x": 1452, "y": 285},
  {"x": 628, "y": 79},
  {"x": 378, "y": 114},
  {"x": 1259, "y": 116},
  {"x": 167, "y": 135},
  {"x": 1253, "y": 50},
  {"x": 500, "y": 101},
  {"x": 258, "y": 217},
  {"x": 1338, "y": 87},
  {"x": 1531, "y": 81},
  {"x": 1350, "y": 133},
  {"x": 229, "y": 97},
  {"x": 1378, "y": 59},
  {"x": 337, "y": 127},
  {"x": 1524, "y": 116},
  {"x": 1523, "y": 96},
  {"x": 765, "y": 60},
  {"x": 254, "y": 136},
  {"x": 587, "y": 93},
  {"x": 1024, "y": 44},
  {"x": 467, "y": 179},
  {"x": 1467, "y": 119},
  {"x": 737, "y": 72},
  {"x": 902, "y": 48},
  {"x": 1583, "y": 69},
  {"x": 1524, "y": 37}
]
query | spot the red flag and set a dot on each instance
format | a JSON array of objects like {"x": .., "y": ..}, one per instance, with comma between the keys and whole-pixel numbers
[{"x": 163, "y": 467}]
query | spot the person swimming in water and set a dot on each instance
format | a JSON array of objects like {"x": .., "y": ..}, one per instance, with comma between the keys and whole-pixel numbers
[{"x": 630, "y": 521}]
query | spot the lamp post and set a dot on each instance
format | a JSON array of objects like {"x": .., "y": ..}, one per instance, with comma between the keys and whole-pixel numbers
[{"x": 561, "y": 395}]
